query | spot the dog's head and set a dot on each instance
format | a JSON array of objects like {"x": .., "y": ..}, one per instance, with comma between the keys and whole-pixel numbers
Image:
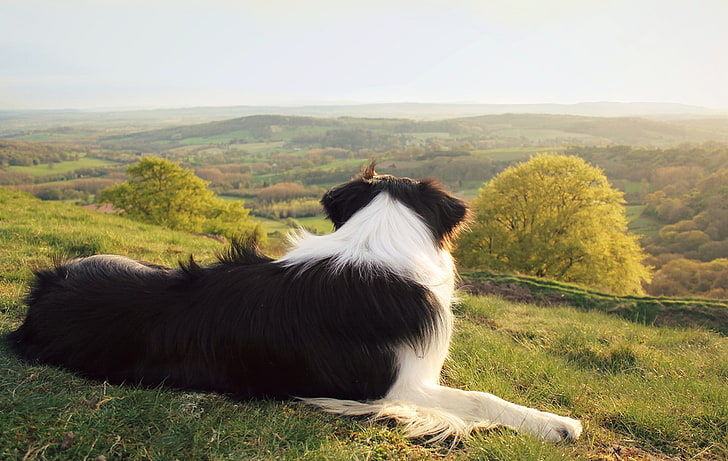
[{"x": 442, "y": 212}]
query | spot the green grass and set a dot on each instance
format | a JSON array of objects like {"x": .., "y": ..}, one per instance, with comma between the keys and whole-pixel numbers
[
  {"x": 659, "y": 390},
  {"x": 516, "y": 153},
  {"x": 643, "y": 392},
  {"x": 62, "y": 167},
  {"x": 33, "y": 232},
  {"x": 354, "y": 165},
  {"x": 277, "y": 231},
  {"x": 694, "y": 312},
  {"x": 261, "y": 147},
  {"x": 318, "y": 224},
  {"x": 54, "y": 136},
  {"x": 272, "y": 226},
  {"x": 640, "y": 224}
]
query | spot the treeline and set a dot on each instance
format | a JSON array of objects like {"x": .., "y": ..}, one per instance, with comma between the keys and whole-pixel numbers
[
  {"x": 247, "y": 129},
  {"x": 19, "y": 153},
  {"x": 637, "y": 164},
  {"x": 455, "y": 171},
  {"x": 237, "y": 178},
  {"x": 15, "y": 178},
  {"x": 295, "y": 208},
  {"x": 227, "y": 177},
  {"x": 352, "y": 134},
  {"x": 353, "y": 139},
  {"x": 81, "y": 190},
  {"x": 287, "y": 200}
]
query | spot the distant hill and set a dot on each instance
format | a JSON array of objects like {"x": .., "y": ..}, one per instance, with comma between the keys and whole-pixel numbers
[
  {"x": 546, "y": 129},
  {"x": 430, "y": 111},
  {"x": 16, "y": 120},
  {"x": 512, "y": 130}
]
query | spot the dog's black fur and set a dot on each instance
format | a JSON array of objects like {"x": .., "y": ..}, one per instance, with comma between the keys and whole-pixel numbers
[{"x": 245, "y": 325}]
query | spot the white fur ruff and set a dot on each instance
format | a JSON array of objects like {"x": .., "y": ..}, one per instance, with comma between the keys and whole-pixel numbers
[{"x": 388, "y": 236}]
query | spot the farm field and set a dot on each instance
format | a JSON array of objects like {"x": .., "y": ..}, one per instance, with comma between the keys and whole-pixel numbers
[
  {"x": 640, "y": 224},
  {"x": 514, "y": 154},
  {"x": 63, "y": 167}
]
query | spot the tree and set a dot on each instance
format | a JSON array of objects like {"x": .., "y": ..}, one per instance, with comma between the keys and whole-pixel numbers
[
  {"x": 687, "y": 277},
  {"x": 162, "y": 192},
  {"x": 555, "y": 216}
]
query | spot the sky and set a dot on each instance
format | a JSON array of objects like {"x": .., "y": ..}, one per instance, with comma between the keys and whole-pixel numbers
[{"x": 94, "y": 54}]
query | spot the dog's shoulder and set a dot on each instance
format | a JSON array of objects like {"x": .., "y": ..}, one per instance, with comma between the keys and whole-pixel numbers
[{"x": 243, "y": 251}]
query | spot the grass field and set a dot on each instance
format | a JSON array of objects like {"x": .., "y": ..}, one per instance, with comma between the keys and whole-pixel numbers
[
  {"x": 706, "y": 313},
  {"x": 62, "y": 167},
  {"x": 277, "y": 230},
  {"x": 353, "y": 165},
  {"x": 515, "y": 153},
  {"x": 318, "y": 224},
  {"x": 56, "y": 136},
  {"x": 639, "y": 224},
  {"x": 643, "y": 392}
]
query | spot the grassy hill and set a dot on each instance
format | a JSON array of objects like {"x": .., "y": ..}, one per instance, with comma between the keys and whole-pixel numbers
[
  {"x": 371, "y": 133},
  {"x": 677, "y": 312},
  {"x": 644, "y": 392},
  {"x": 574, "y": 129}
]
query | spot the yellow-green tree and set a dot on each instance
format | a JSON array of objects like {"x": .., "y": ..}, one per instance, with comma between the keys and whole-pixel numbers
[
  {"x": 555, "y": 216},
  {"x": 162, "y": 192}
]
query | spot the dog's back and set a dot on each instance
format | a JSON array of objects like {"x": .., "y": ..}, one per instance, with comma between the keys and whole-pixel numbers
[
  {"x": 78, "y": 310},
  {"x": 245, "y": 325}
]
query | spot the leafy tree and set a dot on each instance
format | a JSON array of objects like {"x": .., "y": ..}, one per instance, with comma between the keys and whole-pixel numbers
[
  {"x": 687, "y": 277},
  {"x": 162, "y": 192},
  {"x": 698, "y": 217},
  {"x": 555, "y": 216},
  {"x": 286, "y": 191}
]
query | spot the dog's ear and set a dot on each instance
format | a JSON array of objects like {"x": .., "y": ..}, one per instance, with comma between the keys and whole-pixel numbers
[
  {"x": 454, "y": 214},
  {"x": 446, "y": 213},
  {"x": 367, "y": 171},
  {"x": 341, "y": 202}
]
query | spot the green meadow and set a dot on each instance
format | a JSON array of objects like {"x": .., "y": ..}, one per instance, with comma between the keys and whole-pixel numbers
[
  {"x": 643, "y": 392},
  {"x": 62, "y": 167}
]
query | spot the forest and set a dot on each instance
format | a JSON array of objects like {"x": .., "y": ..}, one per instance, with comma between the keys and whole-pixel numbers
[{"x": 673, "y": 172}]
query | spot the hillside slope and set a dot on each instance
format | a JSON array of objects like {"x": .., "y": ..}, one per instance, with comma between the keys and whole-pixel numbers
[
  {"x": 677, "y": 312},
  {"x": 515, "y": 129},
  {"x": 643, "y": 392}
]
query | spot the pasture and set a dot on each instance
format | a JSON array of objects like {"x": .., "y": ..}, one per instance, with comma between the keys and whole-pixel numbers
[{"x": 62, "y": 167}]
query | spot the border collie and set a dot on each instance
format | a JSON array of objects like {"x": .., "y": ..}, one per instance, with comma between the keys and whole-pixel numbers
[{"x": 357, "y": 322}]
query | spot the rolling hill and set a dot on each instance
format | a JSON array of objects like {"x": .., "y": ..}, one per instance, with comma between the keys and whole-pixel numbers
[{"x": 514, "y": 130}]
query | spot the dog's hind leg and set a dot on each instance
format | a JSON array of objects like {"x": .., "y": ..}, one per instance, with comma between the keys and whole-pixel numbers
[{"x": 107, "y": 265}]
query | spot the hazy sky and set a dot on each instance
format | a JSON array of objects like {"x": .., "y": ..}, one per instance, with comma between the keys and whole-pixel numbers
[{"x": 157, "y": 53}]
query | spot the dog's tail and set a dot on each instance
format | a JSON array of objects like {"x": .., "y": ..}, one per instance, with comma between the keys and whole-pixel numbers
[{"x": 417, "y": 421}]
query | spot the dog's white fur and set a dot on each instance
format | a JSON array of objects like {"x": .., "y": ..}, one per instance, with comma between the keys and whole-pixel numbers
[{"x": 370, "y": 239}]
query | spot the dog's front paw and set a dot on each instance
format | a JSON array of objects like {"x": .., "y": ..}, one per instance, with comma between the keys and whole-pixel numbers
[{"x": 554, "y": 428}]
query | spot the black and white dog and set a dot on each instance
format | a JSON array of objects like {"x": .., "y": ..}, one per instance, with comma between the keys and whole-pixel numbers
[{"x": 356, "y": 322}]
